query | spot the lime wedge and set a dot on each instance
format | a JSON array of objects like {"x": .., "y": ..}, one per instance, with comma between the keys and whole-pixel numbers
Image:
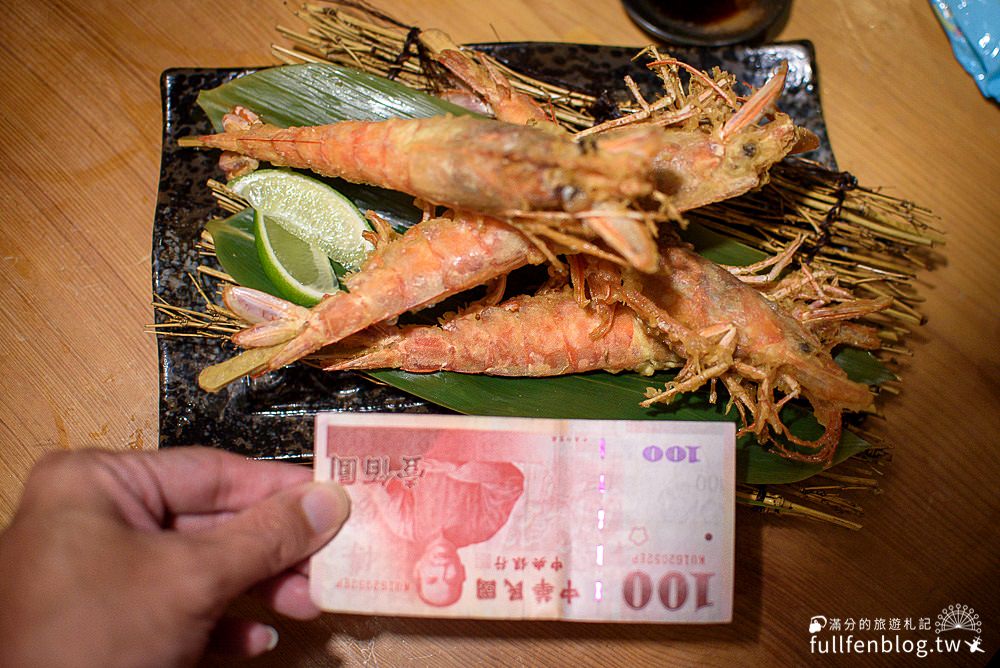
[
  {"x": 308, "y": 209},
  {"x": 301, "y": 272}
]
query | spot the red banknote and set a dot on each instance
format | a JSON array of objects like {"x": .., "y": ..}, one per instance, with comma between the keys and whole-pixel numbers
[{"x": 517, "y": 518}]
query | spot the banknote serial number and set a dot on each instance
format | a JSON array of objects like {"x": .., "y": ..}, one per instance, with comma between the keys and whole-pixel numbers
[
  {"x": 668, "y": 559},
  {"x": 372, "y": 585}
]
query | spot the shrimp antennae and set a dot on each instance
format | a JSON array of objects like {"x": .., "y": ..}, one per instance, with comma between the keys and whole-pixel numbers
[{"x": 758, "y": 104}]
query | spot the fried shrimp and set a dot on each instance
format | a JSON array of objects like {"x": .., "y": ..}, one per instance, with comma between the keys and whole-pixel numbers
[{"x": 540, "y": 335}]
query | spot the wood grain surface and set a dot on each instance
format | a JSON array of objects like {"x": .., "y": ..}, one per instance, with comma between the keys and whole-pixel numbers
[{"x": 80, "y": 131}]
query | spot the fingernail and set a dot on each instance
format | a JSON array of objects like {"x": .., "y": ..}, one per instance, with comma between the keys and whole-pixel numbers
[
  {"x": 326, "y": 506},
  {"x": 272, "y": 638}
]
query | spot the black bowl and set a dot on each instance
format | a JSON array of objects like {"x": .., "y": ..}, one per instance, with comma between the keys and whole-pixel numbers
[{"x": 707, "y": 22}]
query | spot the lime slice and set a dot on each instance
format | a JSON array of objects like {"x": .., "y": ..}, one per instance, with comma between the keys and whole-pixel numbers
[
  {"x": 301, "y": 272},
  {"x": 310, "y": 210}
]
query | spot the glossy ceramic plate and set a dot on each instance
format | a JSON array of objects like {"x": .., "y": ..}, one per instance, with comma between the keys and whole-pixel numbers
[{"x": 272, "y": 416}]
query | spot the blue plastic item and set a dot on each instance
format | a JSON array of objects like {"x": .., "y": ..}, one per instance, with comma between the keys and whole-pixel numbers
[{"x": 973, "y": 26}]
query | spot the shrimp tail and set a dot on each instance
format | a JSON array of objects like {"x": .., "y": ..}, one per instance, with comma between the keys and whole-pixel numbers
[
  {"x": 382, "y": 355},
  {"x": 274, "y": 320},
  {"x": 256, "y": 307}
]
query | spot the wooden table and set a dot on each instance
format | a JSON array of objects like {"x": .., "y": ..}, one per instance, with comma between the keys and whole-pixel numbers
[{"x": 79, "y": 148}]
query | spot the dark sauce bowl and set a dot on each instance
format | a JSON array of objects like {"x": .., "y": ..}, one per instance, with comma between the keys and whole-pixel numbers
[{"x": 707, "y": 22}]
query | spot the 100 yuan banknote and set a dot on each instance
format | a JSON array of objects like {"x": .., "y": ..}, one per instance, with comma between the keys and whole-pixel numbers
[{"x": 516, "y": 518}]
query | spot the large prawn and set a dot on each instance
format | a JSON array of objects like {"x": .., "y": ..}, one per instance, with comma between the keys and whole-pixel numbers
[
  {"x": 547, "y": 334},
  {"x": 613, "y": 184}
]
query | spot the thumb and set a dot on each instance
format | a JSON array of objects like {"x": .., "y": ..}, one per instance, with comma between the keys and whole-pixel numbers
[{"x": 273, "y": 535}]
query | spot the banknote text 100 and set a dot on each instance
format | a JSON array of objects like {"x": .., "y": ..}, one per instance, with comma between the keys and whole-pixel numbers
[
  {"x": 672, "y": 589},
  {"x": 673, "y": 453}
]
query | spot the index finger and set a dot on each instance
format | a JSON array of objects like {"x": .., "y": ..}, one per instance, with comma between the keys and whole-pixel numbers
[
  {"x": 205, "y": 480},
  {"x": 157, "y": 485}
]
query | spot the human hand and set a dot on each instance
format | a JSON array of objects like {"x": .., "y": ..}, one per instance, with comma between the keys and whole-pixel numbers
[{"x": 131, "y": 559}]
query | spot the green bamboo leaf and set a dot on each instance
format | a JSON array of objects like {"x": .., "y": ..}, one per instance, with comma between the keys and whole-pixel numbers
[
  {"x": 601, "y": 395},
  {"x": 316, "y": 94},
  {"x": 862, "y": 367},
  {"x": 719, "y": 248},
  {"x": 236, "y": 249}
]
